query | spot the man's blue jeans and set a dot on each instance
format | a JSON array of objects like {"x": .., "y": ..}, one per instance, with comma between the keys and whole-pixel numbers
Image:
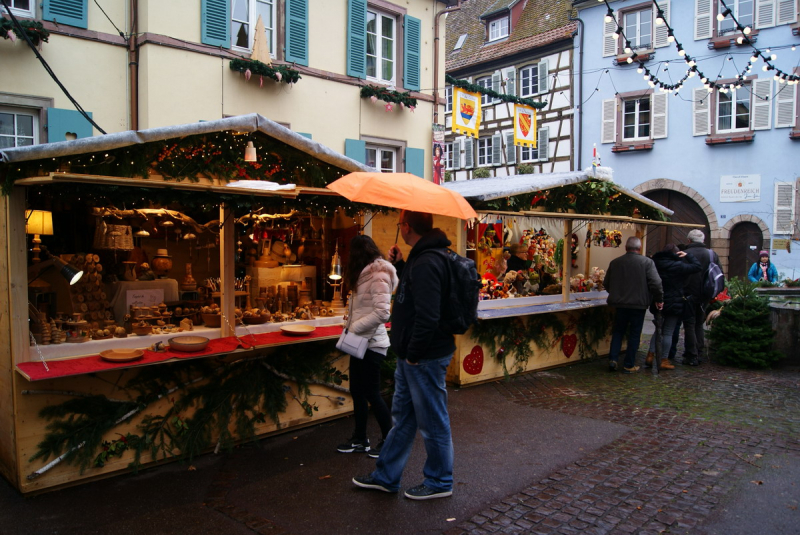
[
  {"x": 630, "y": 320},
  {"x": 420, "y": 402}
]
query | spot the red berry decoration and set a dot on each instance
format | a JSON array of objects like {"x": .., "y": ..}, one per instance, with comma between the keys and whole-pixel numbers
[
  {"x": 473, "y": 363},
  {"x": 568, "y": 344}
]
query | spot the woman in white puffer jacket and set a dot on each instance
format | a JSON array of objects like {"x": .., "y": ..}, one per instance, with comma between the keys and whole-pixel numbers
[{"x": 372, "y": 280}]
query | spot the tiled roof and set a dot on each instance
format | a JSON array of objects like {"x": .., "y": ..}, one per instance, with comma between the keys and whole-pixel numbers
[
  {"x": 498, "y": 5},
  {"x": 542, "y": 22}
]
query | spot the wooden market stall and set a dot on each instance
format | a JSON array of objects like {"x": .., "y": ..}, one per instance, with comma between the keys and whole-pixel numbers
[
  {"x": 190, "y": 306},
  {"x": 554, "y": 312}
]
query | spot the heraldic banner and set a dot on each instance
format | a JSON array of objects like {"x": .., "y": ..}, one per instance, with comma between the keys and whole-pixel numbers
[
  {"x": 466, "y": 112},
  {"x": 524, "y": 126}
]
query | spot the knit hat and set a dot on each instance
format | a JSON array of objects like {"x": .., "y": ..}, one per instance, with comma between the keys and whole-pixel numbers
[{"x": 763, "y": 253}]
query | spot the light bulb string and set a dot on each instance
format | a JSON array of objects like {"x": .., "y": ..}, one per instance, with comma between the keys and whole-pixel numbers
[{"x": 653, "y": 79}]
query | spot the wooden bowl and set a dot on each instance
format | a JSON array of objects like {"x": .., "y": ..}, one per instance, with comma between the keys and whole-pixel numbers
[
  {"x": 212, "y": 320},
  {"x": 255, "y": 320},
  {"x": 188, "y": 343},
  {"x": 298, "y": 330},
  {"x": 142, "y": 330}
]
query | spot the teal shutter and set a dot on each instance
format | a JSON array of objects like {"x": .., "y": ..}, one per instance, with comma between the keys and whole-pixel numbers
[
  {"x": 215, "y": 20},
  {"x": 297, "y": 32},
  {"x": 415, "y": 162},
  {"x": 60, "y": 122},
  {"x": 68, "y": 12},
  {"x": 356, "y": 149},
  {"x": 357, "y": 38},
  {"x": 411, "y": 53},
  {"x": 305, "y": 135}
]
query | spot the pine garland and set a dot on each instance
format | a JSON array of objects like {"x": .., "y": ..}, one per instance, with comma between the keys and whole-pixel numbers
[
  {"x": 279, "y": 73},
  {"x": 474, "y": 88},
  {"x": 387, "y": 95},
  {"x": 226, "y": 400},
  {"x": 33, "y": 28}
]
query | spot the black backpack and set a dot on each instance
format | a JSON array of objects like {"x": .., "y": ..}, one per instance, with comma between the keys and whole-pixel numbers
[
  {"x": 713, "y": 279},
  {"x": 460, "y": 296}
]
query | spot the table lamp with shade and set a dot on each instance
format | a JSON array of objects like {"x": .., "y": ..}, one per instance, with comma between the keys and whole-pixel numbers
[{"x": 39, "y": 223}]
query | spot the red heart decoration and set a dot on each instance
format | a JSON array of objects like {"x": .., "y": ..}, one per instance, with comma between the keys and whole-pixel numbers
[
  {"x": 473, "y": 363},
  {"x": 568, "y": 344}
]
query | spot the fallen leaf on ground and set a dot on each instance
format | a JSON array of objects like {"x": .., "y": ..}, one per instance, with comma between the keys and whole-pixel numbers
[
  {"x": 325, "y": 477},
  {"x": 711, "y": 472},
  {"x": 451, "y": 519},
  {"x": 758, "y": 455},
  {"x": 754, "y": 482},
  {"x": 191, "y": 468}
]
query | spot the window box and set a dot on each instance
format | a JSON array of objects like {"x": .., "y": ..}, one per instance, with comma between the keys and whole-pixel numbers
[
  {"x": 622, "y": 59},
  {"x": 632, "y": 147},
  {"x": 33, "y": 29},
  {"x": 728, "y": 40},
  {"x": 738, "y": 137}
]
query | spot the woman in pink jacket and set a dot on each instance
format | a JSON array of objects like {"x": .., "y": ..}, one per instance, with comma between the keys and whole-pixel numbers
[{"x": 372, "y": 280}]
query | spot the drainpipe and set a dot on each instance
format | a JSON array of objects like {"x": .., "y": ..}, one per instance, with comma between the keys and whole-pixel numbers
[
  {"x": 580, "y": 92},
  {"x": 436, "y": 58},
  {"x": 133, "y": 64}
]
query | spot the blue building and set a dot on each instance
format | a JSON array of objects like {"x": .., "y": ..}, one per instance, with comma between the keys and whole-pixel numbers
[{"x": 694, "y": 103}]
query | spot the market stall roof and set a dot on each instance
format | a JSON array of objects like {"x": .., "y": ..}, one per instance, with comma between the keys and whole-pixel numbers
[
  {"x": 487, "y": 189},
  {"x": 242, "y": 123}
]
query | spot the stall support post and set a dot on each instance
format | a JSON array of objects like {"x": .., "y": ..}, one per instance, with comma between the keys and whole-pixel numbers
[
  {"x": 566, "y": 260},
  {"x": 587, "y": 270},
  {"x": 227, "y": 245}
]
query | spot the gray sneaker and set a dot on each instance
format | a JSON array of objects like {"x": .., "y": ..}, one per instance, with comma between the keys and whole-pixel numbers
[{"x": 423, "y": 492}]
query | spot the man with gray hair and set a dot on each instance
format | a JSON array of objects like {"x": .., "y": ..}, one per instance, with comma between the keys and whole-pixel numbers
[
  {"x": 632, "y": 283},
  {"x": 694, "y": 336}
]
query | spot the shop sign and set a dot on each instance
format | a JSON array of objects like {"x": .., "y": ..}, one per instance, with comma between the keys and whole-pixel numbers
[
  {"x": 144, "y": 298},
  {"x": 740, "y": 188}
]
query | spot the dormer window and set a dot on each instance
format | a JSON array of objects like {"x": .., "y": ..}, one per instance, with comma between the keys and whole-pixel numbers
[{"x": 498, "y": 29}]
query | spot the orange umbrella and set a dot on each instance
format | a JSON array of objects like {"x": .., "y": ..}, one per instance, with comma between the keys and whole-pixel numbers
[{"x": 404, "y": 191}]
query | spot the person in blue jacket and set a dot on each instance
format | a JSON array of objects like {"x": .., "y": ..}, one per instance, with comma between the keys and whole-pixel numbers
[{"x": 763, "y": 270}]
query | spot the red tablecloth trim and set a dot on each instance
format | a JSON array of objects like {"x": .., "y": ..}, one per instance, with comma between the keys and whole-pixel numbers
[{"x": 36, "y": 371}]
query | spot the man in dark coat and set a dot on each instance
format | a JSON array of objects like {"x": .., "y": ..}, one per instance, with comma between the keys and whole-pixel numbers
[
  {"x": 423, "y": 353},
  {"x": 673, "y": 267},
  {"x": 632, "y": 283},
  {"x": 693, "y": 325}
]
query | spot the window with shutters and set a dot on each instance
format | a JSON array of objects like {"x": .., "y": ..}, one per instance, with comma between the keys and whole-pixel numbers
[
  {"x": 383, "y": 158},
  {"x": 735, "y": 115},
  {"x": 632, "y": 121},
  {"x": 21, "y": 8},
  {"x": 533, "y": 80},
  {"x": 538, "y": 153},
  {"x": 788, "y": 108},
  {"x": 381, "y": 46},
  {"x": 244, "y": 17},
  {"x": 485, "y": 82},
  {"x": 448, "y": 155},
  {"x": 485, "y": 152},
  {"x": 784, "y": 206},
  {"x": 733, "y": 110},
  {"x": 18, "y": 127},
  {"x": 639, "y": 28},
  {"x": 642, "y": 33},
  {"x": 448, "y": 99},
  {"x": 498, "y": 28},
  {"x": 755, "y": 14}
]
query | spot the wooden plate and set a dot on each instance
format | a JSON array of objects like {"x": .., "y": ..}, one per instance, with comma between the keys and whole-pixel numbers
[
  {"x": 121, "y": 355},
  {"x": 298, "y": 330},
  {"x": 188, "y": 343}
]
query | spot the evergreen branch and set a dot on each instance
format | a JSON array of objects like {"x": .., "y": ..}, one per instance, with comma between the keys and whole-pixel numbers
[
  {"x": 279, "y": 73},
  {"x": 475, "y": 88},
  {"x": 69, "y": 393},
  {"x": 388, "y": 95},
  {"x": 295, "y": 380}
]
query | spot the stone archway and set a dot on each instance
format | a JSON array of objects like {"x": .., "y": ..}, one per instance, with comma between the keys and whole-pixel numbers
[
  {"x": 725, "y": 233},
  {"x": 718, "y": 239}
]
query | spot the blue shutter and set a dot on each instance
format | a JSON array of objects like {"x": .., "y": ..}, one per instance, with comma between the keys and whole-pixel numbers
[
  {"x": 59, "y": 122},
  {"x": 411, "y": 53},
  {"x": 216, "y": 23},
  {"x": 356, "y": 149},
  {"x": 357, "y": 38},
  {"x": 305, "y": 135},
  {"x": 415, "y": 162},
  {"x": 297, "y": 31},
  {"x": 69, "y": 12}
]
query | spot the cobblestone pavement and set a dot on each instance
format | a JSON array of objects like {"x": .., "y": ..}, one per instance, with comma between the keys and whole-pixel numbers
[{"x": 695, "y": 433}]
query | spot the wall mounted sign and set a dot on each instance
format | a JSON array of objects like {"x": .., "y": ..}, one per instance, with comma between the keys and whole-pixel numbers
[{"x": 740, "y": 188}]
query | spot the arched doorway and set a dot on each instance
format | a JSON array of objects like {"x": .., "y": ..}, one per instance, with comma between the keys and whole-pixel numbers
[
  {"x": 745, "y": 242},
  {"x": 686, "y": 211}
]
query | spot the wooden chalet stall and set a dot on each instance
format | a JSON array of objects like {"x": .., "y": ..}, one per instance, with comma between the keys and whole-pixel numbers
[
  {"x": 204, "y": 314},
  {"x": 573, "y": 224}
]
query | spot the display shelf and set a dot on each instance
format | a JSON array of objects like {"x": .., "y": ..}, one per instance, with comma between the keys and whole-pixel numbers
[{"x": 527, "y": 310}]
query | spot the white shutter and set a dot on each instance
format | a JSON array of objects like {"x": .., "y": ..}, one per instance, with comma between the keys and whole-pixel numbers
[
  {"x": 701, "y": 111},
  {"x": 609, "y": 43},
  {"x": 661, "y": 31},
  {"x": 511, "y": 149},
  {"x": 469, "y": 153},
  {"x": 543, "y": 77},
  {"x": 510, "y": 76},
  {"x": 609, "y": 129},
  {"x": 787, "y": 11},
  {"x": 457, "y": 157},
  {"x": 496, "y": 76},
  {"x": 765, "y": 13},
  {"x": 543, "y": 144},
  {"x": 659, "y": 107},
  {"x": 702, "y": 19},
  {"x": 497, "y": 149},
  {"x": 762, "y": 104},
  {"x": 783, "y": 222},
  {"x": 785, "y": 106}
]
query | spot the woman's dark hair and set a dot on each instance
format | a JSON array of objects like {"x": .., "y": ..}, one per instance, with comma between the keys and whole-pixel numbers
[
  {"x": 363, "y": 252},
  {"x": 439, "y": 147},
  {"x": 670, "y": 248}
]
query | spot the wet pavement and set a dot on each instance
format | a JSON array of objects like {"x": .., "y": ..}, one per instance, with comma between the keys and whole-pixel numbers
[{"x": 708, "y": 450}]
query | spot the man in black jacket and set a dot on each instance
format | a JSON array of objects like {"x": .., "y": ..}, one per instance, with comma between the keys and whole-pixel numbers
[
  {"x": 423, "y": 353},
  {"x": 693, "y": 324}
]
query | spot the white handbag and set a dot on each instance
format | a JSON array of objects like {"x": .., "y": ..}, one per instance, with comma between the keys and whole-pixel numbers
[{"x": 350, "y": 343}]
